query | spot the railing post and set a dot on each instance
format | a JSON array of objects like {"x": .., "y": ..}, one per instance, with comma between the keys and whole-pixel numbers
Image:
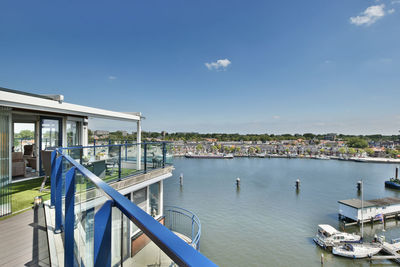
[
  {"x": 53, "y": 179},
  {"x": 126, "y": 150},
  {"x": 69, "y": 218},
  {"x": 58, "y": 195},
  {"x": 145, "y": 157},
  {"x": 119, "y": 162},
  {"x": 102, "y": 235},
  {"x": 94, "y": 148},
  {"x": 192, "y": 227},
  {"x": 164, "y": 154}
]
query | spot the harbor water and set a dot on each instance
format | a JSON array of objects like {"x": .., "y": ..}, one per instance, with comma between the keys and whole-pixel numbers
[{"x": 267, "y": 222}]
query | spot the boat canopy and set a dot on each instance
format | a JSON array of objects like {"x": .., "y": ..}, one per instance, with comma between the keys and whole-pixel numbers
[{"x": 327, "y": 229}]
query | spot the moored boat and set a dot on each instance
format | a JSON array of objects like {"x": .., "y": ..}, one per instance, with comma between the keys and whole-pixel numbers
[
  {"x": 394, "y": 182},
  {"x": 328, "y": 237},
  {"x": 357, "y": 251}
]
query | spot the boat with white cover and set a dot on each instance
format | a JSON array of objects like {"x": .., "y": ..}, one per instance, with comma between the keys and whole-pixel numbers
[
  {"x": 357, "y": 250},
  {"x": 327, "y": 237}
]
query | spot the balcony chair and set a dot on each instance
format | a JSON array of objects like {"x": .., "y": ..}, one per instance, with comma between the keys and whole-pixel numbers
[{"x": 18, "y": 164}]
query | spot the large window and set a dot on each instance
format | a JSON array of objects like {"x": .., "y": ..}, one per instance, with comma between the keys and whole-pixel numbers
[
  {"x": 154, "y": 191},
  {"x": 140, "y": 198}
]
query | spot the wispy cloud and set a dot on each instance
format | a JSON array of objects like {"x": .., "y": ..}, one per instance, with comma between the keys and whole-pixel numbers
[
  {"x": 112, "y": 77},
  {"x": 276, "y": 117},
  {"x": 395, "y": 2},
  {"x": 220, "y": 64},
  {"x": 391, "y": 11},
  {"x": 369, "y": 16}
]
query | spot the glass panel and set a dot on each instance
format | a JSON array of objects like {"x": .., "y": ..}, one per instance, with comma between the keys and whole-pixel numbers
[
  {"x": 154, "y": 191},
  {"x": 154, "y": 156},
  {"x": 89, "y": 200},
  {"x": 145, "y": 252},
  {"x": 116, "y": 237},
  {"x": 5, "y": 193},
  {"x": 139, "y": 197},
  {"x": 72, "y": 133},
  {"x": 50, "y": 133}
]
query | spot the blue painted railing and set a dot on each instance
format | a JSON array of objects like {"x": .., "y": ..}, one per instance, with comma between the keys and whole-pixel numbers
[
  {"x": 173, "y": 246},
  {"x": 185, "y": 222}
]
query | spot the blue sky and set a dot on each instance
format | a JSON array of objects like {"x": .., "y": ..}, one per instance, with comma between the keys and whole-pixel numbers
[{"x": 213, "y": 66}]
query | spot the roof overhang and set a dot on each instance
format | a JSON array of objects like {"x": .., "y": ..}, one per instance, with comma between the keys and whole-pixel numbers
[{"x": 13, "y": 99}]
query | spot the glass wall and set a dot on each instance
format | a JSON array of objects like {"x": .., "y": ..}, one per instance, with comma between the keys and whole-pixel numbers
[{"x": 5, "y": 192}]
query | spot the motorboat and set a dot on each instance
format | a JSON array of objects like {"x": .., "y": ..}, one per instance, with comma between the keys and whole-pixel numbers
[
  {"x": 357, "y": 250},
  {"x": 328, "y": 237}
]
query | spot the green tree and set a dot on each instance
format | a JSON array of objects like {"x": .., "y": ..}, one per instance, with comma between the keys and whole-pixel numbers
[
  {"x": 357, "y": 142},
  {"x": 370, "y": 151},
  {"x": 199, "y": 147},
  {"x": 352, "y": 151},
  {"x": 251, "y": 150},
  {"x": 342, "y": 150}
]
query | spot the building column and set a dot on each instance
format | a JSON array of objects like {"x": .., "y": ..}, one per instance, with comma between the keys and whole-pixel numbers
[{"x": 138, "y": 148}]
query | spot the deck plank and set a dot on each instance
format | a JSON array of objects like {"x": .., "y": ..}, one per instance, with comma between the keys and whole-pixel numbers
[{"x": 23, "y": 240}]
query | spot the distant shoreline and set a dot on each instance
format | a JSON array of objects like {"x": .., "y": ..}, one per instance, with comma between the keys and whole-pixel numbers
[{"x": 355, "y": 159}]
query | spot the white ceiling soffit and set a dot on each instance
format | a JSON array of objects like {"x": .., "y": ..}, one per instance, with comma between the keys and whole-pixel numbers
[{"x": 29, "y": 102}]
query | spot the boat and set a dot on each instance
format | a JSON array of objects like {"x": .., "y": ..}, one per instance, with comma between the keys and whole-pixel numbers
[
  {"x": 323, "y": 157},
  {"x": 328, "y": 237},
  {"x": 394, "y": 182},
  {"x": 357, "y": 251},
  {"x": 209, "y": 156}
]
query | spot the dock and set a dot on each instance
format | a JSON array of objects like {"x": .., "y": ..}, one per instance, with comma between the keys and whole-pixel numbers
[{"x": 391, "y": 250}]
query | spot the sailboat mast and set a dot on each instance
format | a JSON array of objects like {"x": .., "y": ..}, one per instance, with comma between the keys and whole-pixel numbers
[{"x": 362, "y": 209}]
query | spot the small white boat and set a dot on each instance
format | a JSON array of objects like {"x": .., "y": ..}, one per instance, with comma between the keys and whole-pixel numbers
[
  {"x": 357, "y": 251},
  {"x": 327, "y": 237},
  {"x": 322, "y": 157}
]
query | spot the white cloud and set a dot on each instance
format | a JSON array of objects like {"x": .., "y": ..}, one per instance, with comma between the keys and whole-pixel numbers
[
  {"x": 369, "y": 16},
  {"x": 391, "y": 11},
  {"x": 220, "y": 64},
  {"x": 276, "y": 117},
  {"x": 112, "y": 77}
]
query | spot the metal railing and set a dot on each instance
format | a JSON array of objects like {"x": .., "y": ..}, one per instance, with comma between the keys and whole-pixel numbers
[
  {"x": 117, "y": 161},
  {"x": 86, "y": 208},
  {"x": 184, "y": 222}
]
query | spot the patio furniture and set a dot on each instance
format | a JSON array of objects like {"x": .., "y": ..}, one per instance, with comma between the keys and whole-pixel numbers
[
  {"x": 18, "y": 164},
  {"x": 46, "y": 164},
  {"x": 29, "y": 156}
]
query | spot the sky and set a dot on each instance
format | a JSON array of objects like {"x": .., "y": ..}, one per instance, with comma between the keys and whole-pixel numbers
[{"x": 213, "y": 66}]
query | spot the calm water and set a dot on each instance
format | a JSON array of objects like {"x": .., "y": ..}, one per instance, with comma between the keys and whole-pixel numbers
[{"x": 267, "y": 223}]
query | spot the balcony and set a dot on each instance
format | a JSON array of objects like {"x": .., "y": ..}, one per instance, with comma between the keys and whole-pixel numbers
[{"x": 92, "y": 222}]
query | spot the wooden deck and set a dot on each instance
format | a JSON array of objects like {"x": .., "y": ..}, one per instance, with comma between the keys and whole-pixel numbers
[{"x": 23, "y": 240}]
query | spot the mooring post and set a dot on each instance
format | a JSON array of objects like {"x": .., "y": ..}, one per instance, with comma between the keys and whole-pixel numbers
[
  {"x": 359, "y": 185},
  {"x": 298, "y": 184},
  {"x": 238, "y": 182},
  {"x": 181, "y": 179},
  {"x": 322, "y": 258},
  {"x": 397, "y": 173}
]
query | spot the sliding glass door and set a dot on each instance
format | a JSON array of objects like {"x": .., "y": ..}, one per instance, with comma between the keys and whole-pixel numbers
[
  {"x": 5, "y": 159},
  {"x": 50, "y": 135}
]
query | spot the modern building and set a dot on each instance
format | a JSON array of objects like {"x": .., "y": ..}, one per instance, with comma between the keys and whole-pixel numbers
[{"x": 106, "y": 204}]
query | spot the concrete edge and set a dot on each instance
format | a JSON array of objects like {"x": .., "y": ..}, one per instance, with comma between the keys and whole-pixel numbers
[{"x": 50, "y": 236}]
